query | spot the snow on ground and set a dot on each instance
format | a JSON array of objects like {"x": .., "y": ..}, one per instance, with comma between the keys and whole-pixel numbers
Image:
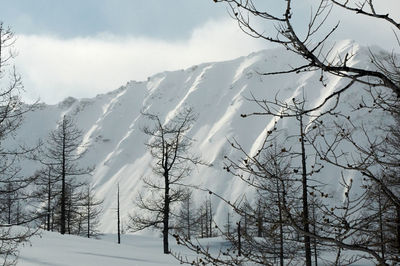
[
  {"x": 57, "y": 250},
  {"x": 54, "y": 249}
]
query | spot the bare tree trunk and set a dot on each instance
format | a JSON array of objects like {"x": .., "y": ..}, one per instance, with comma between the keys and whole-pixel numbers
[
  {"x": 382, "y": 240},
  {"x": 118, "y": 218},
  {"x": 239, "y": 239},
  {"x": 18, "y": 213},
  {"x": 245, "y": 223},
  {"x": 315, "y": 239},
  {"x": 188, "y": 218},
  {"x": 63, "y": 218},
  {"x": 280, "y": 229},
  {"x": 52, "y": 221},
  {"x": 206, "y": 220},
  {"x": 9, "y": 202},
  {"x": 166, "y": 213},
  {"x": 68, "y": 220},
  {"x": 228, "y": 224},
  {"x": 210, "y": 226},
  {"x": 88, "y": 213},
  {"x": 398, "y": 230},
  {"x": 307, "y": 240},
  {"x": 259, "y": 220},
  {"x": 48, "y": 200},
  {"x": 201, "y": 225}
]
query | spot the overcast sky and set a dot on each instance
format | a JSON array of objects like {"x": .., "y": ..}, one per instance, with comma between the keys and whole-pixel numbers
[{"x": 82, "y": 48}]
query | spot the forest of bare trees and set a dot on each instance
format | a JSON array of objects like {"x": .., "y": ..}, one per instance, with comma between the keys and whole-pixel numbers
[
  {"x": 289, "y": 178},
  {"x": 13, "y": 193},
  {"x": 44, "y": 199}
]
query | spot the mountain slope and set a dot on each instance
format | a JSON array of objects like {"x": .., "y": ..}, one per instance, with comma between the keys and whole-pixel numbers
[{"x": 112, "y": 122}]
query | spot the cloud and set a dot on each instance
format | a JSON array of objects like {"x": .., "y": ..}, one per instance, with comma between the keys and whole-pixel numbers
[{"x": 53, "y": 68}]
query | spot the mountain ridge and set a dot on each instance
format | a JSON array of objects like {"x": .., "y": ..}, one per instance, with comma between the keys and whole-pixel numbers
[{"x": 111, "y": 123}]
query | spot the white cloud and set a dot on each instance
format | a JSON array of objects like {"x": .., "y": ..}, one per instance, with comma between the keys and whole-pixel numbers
[{"x": 54, "y": 68}]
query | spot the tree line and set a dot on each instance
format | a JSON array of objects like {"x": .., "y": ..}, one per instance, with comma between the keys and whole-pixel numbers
[{"x": 58, "y": 197}]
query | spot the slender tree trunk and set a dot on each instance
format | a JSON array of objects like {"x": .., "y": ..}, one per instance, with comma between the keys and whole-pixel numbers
[
  {"x": 337, "y": 261},
  {"x": 88, "y": 213},
  {"x": 68, "y": 214},
  {"x": 259, "y": 220},
  {"x": 239, "y": 239},
  {"x": 381, "y": 235},
  {"x": 206, "y": 220},
  {"x": 307, "y": 240},
  {"x": 398, "y": 230},
  {"x": 118, "y": 218},
  {"x": 280, "y": 230},
  {"x": 245, "y": 223},
  {"x": 188, "y": 218},
  {"x": 9, "y": 202},
  {"x": 63, "y": 214},
  {"x": 48, "y": 200},
  {"x": 201, "y": 225},
  {"x": 52, "y": 221},
  {"x": 18, "y": 212},
  {"x": 79, "y": 227},
  {"x": 228, "y": 225},
  {"x": 210, "y": 226},
  {"x": 314, "y": 239},
  {"x": 166, "y": 213}
]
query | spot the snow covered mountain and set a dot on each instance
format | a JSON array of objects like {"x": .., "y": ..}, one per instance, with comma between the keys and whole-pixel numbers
[{"x": 112, "y": 122}]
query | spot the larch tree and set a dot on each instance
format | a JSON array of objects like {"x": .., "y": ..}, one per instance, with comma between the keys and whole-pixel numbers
[
  {"x": 187, "y": 220},
  {"x": 45, "y": 192},
  {"x": 91, "y": 208},
  {"x": 13, "y": 184},
  {"x": 64, "y": 150},
  {"x": 173, "y": 161}
]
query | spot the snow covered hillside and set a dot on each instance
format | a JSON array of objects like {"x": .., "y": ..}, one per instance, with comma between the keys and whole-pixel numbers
[{"x": 112, "y": 122}]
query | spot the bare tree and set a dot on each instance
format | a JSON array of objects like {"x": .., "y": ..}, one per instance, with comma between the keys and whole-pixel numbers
[
  {"x": 271, "y": 175},
  {"x": 64, "y": 150},
  {"x": 328, "y": 136},
  {"x": 286, "y": 110},
  {"x": 118, "y": 218},
  {"x": 170, "y": 147},
  {"x": 340, "y": 225},
  {"x": 12, "y": 183},
  {"x": 45, "y": 192},
  {"x": 187, "y": 220},
  {"x": 375, "y": 157},
  {"x": 91, "y": 210},
  {"x": 205, "y": 219}
]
